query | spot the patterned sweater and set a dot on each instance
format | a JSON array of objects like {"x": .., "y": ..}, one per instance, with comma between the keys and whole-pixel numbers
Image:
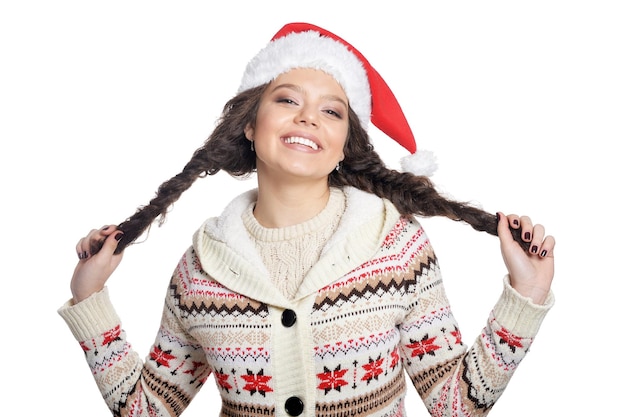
[{"x": 372, "y": 308}]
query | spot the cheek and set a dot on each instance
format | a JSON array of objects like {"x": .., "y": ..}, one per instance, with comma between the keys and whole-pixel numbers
[
  {"x": 342, "y": 145},
  {"x": 267, "y": 122}
]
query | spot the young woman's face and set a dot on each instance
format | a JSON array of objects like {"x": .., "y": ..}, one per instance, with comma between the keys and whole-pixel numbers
[{"x": 301, "y": 126}]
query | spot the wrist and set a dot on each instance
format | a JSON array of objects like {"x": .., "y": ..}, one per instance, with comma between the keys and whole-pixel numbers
[{"x": 536, "y": 294}]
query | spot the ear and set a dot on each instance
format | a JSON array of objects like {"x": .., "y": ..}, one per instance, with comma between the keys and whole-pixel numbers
[{"x": 249, "y": 132}]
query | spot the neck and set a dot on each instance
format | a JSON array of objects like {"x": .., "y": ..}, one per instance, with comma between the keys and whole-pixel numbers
[{"x": 282, "y": 205}]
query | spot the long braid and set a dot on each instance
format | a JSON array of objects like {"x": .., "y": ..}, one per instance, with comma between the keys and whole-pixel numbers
[
  {"x": 416, "y": 195},
  {"x": 226, "y": 149},
  {"x": 410, "y": 194},
  {"x": 167, "y": 194}
]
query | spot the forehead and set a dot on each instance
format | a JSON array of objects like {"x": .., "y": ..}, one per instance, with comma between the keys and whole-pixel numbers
[{"x": 309, "y": 78}]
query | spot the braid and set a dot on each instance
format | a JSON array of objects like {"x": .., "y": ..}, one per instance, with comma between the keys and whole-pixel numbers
[
  {"x": 416, "y": 195},
  {"x": 410, "y": 194},
  {"x": 226, "y": 149},
  {"x": 167, "y": 193}
]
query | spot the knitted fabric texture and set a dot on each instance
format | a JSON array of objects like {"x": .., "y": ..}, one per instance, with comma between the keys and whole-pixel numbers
[
  {"x": 383, "y": 313},
  {"x": 290, "y": 252}
]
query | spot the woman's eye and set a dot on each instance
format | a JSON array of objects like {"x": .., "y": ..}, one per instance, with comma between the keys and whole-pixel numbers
[
  {"x": 334, "y": 113},
  {"x": 286, "y": 101}
]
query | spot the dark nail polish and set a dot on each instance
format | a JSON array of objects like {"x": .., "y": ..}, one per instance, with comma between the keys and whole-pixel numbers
[
  {"x": 84, "y": 255},
  {"x": 534, "y": 249},
  {"x": 527, "y": 235},
  {"x": 544, "y": 253},
  {"x": 497, "y": 217},
  {"x": 516, "y": 222},
  {"x": 118, "y": 236}
]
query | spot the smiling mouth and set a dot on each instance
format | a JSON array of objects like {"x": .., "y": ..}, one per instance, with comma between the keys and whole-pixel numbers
[{"x": 302, "y": 141}]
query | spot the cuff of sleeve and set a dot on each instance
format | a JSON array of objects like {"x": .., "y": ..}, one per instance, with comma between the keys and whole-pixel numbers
[
  {"x": 91, "y": 317},
  {"x": 519, "y": 314}
]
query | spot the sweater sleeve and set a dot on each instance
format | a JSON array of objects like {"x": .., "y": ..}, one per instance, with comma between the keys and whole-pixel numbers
[
  {"x": 451, "y": 378},
  {"x": 162, "y": 385}
]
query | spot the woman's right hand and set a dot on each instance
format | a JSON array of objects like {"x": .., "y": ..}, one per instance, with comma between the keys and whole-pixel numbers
[{"x": 97, "y": 261}]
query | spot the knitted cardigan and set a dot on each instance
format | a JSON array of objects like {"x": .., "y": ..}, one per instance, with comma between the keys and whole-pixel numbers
[{"x": 372, "y": 308}]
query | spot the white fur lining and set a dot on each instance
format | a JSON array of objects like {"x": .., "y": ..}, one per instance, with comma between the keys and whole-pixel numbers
[
  {"x": 361, "y": 208},
  {"x": 311, "y": 50}
]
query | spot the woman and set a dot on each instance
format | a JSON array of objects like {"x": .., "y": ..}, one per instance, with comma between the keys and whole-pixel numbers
[{"x": 312, "y": 294}]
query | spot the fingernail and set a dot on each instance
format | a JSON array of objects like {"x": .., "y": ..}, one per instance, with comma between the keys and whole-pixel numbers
[
  {"x": 119, "y": 235},
  {"x": 534, "y": 249},
  {"x": 498, "y": 216},
  {"x": 544, "y": 253},
  {"x": 516, "y": 222},
  {"x": 527, "y": 235},
  {"x": 83, "y": 255}
]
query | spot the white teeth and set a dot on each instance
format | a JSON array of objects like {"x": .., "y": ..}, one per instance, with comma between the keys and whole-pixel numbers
[{"x": 302, "y": 141}]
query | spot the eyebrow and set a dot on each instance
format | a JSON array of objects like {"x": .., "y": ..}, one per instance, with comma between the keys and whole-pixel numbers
[{"x": 299, "y": 89}]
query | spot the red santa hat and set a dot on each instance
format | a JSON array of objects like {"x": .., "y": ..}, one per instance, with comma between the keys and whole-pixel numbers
[{"x": 303, "y": 45}]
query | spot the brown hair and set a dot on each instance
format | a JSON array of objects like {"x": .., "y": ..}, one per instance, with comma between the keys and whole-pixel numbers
[{"x": 228, "y": 149}]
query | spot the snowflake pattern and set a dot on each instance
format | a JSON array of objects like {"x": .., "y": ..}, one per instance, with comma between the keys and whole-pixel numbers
[
  {"x": 426, "y": 346},
  {"x": 257, "y": 382},
  {"x": 332, "y": 379}
]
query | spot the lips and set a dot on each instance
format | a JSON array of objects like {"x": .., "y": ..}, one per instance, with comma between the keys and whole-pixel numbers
[{"x": 301, "y": 141}]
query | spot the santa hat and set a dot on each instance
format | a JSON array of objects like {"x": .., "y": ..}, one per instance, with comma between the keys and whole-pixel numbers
[{"x": 303, "y": 45}]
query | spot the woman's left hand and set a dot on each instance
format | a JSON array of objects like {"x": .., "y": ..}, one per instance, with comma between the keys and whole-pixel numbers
[{"x": 531, "y": 271}]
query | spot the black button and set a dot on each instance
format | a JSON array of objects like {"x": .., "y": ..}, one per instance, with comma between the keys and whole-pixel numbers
[
  {"x": 288, "y": 318},
  {"x": 294, "y": 406}
]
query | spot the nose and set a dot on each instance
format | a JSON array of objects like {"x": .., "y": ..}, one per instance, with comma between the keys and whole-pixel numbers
[{"x": 307, "y": 116}]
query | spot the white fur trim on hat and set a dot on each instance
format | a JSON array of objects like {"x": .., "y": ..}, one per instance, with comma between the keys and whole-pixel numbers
[
  {"x": 311, "y": 50},
  {"x": 420, "y": 163}
]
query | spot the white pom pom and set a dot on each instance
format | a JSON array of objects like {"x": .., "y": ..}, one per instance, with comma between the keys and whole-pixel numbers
[{"x": 420, "y": 163}]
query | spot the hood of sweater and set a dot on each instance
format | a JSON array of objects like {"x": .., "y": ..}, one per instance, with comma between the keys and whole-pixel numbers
[{"x": 229, "y": 256}]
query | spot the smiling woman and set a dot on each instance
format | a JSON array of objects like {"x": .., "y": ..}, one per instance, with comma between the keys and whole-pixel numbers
[
  {"x": 299, "y": 135},
  {"x": 317, "y": 292}
]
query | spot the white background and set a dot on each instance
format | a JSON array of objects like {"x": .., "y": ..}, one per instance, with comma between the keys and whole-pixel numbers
[{"x": 523, "y": 103}]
